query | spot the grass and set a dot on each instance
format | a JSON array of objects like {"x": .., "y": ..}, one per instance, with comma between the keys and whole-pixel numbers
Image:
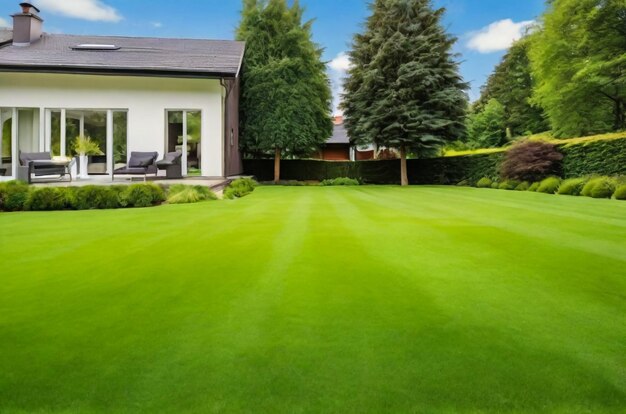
[{"x": 318, "y": 299}]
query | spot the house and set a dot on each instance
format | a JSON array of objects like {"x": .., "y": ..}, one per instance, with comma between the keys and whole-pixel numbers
[
  {"x": 125, "y": 93},
  {"x": 339, "y": 148}
]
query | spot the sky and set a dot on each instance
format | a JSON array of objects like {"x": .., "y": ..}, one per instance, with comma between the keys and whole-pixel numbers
[{"x": 484, "y": 28}]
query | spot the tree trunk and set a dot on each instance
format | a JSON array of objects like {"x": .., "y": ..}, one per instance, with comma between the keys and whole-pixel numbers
[
  {"x": 277, "y": 165},
  {"x": 404, "y": 178},
  {"x": 620, "y": 117}
]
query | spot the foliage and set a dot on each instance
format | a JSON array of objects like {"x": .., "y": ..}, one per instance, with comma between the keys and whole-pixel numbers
[
  {"x": 240, "y": 188},
  {"x": 87, "y": 146},
  {"x": 97, "y": 197},
  {"x": 286, "y": 100},
  {"x": 186, "y": 194},
  {"x": 511, "y": 84},
  {"x": 48, "y": 199},
  {"x": 599, "y": 187},
  {"x": 142, "y": 195},
  {"x": 572, "y": 186},
  {"x": 534, "y": 186},
  {"x": 13, "y": 195},
  {"x": 404, "y": 90},
  {"x": 508, "y": 185},
  {"x": 531, "y": 161},
  {"x": 340, "y": 181},
  {"x": 549, "y": 185},
  {"x": 487, "y": 128},
  {"x": 495, "y": 185},
  {"x": 620, "y": 192},
  {"x": 484, "y": 182},
  {"x": 578, "y": 59},
  {"x": 523, "y": 186}
]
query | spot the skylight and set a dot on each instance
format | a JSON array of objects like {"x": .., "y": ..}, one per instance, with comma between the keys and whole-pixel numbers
[{"x": 93, "y": 46}]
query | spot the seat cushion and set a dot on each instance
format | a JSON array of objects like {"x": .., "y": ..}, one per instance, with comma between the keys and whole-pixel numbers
[
  {"x": 129, "y": 170},
  {"x": 142, "y": 159},
  {"x": 26, "y": 157}
]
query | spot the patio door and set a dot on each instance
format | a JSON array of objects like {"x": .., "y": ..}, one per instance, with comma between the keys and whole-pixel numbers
[{"x": 184, "y": 134}]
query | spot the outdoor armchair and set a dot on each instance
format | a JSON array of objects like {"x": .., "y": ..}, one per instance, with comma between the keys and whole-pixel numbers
[
  {"x": 172, "y": 164},
  {"x": 41, "y": 164},
  {"x": 140, "y": 163}
]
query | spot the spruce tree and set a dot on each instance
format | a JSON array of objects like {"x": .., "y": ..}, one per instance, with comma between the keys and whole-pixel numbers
[
  {"x": 404, "y": 90},
  {"x": 286, "y": 99}
]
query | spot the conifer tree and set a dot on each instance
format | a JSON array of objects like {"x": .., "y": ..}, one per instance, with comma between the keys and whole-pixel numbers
[
  {"x": 286, "y": 99},
  {"x": 404, "y": 90}
]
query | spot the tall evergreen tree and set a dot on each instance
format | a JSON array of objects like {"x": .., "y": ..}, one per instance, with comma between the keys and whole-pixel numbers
[
  {"x": 579, "y": 62},
  {"x": 511, "y": 83},
  {"x": 285, "y": 105},
  {"x": 404, "y": 89}
]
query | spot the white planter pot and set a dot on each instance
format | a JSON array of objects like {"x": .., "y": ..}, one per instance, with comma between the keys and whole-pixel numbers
[{"x": 84, "y": 172}]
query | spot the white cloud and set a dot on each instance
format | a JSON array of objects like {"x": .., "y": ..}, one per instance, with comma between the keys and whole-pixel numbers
[
  {"x": 4, "y": 24},
  {"x": 338, "y": 68},
  {"x": 156, "y": 25},
  {"x": 92, "y": 10},
  {"x": 497, "y": 36}
]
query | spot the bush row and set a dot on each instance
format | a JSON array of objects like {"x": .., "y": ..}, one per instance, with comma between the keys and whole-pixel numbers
[
  {"x": 594, "y": 186},
  {"x": 17, "y": 196},
  {"x": 600, "y": 157}
]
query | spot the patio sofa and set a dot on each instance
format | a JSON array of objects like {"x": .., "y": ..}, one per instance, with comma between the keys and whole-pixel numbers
[
  {"x": 139, "y": 164},
  {"x": 172, "y": 164},
  {"x": 41, "y": 164}
]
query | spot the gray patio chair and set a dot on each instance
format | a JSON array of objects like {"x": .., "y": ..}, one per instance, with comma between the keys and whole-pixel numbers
[
  {"x": 41, "y": 164},
  {"x": 172, "y": 164},
  {"x": 140, "y": 163}
]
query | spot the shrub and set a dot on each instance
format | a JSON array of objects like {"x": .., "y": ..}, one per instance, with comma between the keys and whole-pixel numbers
[
  {"x": 599, "y": 187},
  {"x": 523, "y": 186},
  {"x": 549, "y": 185},
  {"x": 341, "y": 181},
  {"x": 572, "y": 186},
  {"x": 495, "y": 185},
  {"x": 142, "y": 195},
  {"x": 620, "y": 192},
  {"x": 13, "y": 195},
  {"x": 240, "y": 188},
  {"x": 531, "y": 161},
  {"x": 508, "y": 185},
  {"x": 184, "y": 194},
  {"x": 484, "y": 182},
  {"x": 97, "y": 197},
  {"x": 47, "y": 199},
  {"x": 534, "y": 186},
  {"x": 463, "y": 183}
]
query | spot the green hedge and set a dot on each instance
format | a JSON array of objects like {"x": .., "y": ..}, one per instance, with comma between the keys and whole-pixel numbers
[{"x": 602, "y": 157}]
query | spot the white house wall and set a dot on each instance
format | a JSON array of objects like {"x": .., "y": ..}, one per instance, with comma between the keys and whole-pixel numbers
[{"x": 145, "y": 98}]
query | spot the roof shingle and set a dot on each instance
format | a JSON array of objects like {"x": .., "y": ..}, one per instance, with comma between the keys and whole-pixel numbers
[{"x": 194, "y": 57}]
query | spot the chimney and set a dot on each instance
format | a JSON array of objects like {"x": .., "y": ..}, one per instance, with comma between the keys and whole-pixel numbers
[{"x": 27, "y": 25}]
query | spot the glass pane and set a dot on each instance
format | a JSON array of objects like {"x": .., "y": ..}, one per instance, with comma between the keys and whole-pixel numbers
[
  {"x": 6, "y": 149},
  {"x": 95, "y": 128},
  {"x": 55, "y": 132},
  {"x": 194, "y": 136},
  {"x": 28, "y": 130},
  {"x": 120, "y": 144},
  {"x": 72, "y": 131}
]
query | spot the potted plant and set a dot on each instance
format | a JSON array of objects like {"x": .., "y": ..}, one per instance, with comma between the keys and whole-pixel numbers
[{"x": 85, "y": 147}]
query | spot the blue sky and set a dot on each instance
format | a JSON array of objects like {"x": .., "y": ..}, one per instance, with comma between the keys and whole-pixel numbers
[{"x": 484, "y": 27}]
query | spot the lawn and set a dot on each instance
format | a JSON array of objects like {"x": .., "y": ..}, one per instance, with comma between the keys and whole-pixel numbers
[{"x": 316, "y": 300}]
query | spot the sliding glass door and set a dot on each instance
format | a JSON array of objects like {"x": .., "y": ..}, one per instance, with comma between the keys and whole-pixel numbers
[
  {"x": 6, "y": 143},
  {"x": 21, "y": 132},
  {"x": 184, "y": 134},
  {"x": 107, "y": 128}
]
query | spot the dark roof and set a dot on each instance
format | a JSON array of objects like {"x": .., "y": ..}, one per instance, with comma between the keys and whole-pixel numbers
[
  {"x": 340, "y": 135},
  {"x": 136, "y": 55}
]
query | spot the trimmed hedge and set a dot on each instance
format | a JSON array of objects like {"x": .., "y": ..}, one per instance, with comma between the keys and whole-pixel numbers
[
  {"x": 600, "y": 157},
  {"x": 341, "y": 181},
  {"x": 549, "y": 186},
  {"x": 620, "y": 193}
]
